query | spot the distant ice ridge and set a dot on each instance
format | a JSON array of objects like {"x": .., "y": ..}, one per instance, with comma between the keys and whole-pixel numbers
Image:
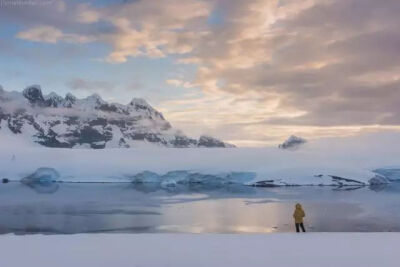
[
  {"x": 173, "y": 178},
  {"x": 44, "y": 179}
]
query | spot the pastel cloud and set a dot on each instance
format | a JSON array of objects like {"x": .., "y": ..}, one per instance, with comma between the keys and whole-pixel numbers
[
  {"x": 137, "y": 28},
  {"x": 49, "y": 34},
  {"x": 148, "y": 28}
]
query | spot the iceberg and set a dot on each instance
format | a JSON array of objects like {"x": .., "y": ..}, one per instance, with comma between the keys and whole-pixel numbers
[
  {"x": 378, "y": 180},
  {"x": 183, "y": 177},
  {"x": 42, "y": 176},
  {"x": 43, "y": 180},
  {"x": 390, "y": 174},
  {"x": 145, "y": 177}
]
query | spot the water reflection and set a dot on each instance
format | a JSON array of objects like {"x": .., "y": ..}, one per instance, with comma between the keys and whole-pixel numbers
[
  {"x": 44, "y": 188},
  {"x": 378, "y": 187},
  {"x": 43, "y": 180},
  {"x": 132, "y": 208},
  {"x": 347, "y": 188},
  {"x": 262, "y": 201}
]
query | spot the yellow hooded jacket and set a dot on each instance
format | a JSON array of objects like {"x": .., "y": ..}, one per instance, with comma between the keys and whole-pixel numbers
[{"x": 298, "y": 214}]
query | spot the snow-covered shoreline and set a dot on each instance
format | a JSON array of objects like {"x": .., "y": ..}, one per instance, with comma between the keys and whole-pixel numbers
[
  {"x": 158, "y": 250},
  {"x": 328, "y": 162}
]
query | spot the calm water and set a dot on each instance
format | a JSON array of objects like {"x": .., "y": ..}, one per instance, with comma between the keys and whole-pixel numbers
[{"x": 95, "y": 208}]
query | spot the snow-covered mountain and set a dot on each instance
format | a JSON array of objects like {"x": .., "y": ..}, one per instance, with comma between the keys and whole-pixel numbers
[{"x": 68, "y": 122}]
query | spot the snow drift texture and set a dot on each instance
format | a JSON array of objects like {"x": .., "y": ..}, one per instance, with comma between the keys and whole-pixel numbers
[
  {"x": 194, "y": 250},
  {"x": 68, "y": 122},
  {"x": 369, "y": 159}
]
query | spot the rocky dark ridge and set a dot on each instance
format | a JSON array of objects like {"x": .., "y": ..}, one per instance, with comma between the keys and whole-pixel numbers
[{"x": 292, "y": 143}]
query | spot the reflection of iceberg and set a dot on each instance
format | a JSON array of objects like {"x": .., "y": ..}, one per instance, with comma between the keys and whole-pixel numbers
[
  {"x": 145, "y": 187},
  {"x": 180, "y": 188},
  {"x": 348, "y": 188},
  {"x": 43, "y": 180},
  {"x": 378, "y": 187}
]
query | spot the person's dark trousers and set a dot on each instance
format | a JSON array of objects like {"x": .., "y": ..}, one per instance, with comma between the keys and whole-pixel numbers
[{"x": 298, "y": 225}]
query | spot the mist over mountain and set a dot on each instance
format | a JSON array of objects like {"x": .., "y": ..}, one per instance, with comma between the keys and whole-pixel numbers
[{"x": 68, "y": 122}]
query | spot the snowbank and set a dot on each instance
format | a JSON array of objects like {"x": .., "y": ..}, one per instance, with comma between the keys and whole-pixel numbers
[
  {"x": 326, "y": 162},
  {"x": 277, "y": 250}
]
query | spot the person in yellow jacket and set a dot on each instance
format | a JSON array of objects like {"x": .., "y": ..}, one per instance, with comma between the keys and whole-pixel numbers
[{"x": 298, "y": 216}]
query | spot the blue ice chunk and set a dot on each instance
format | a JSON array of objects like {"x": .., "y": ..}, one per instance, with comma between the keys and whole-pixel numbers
[
  {"x": 43, "y": 180},
  {"x": 42, "y": 176},
  {"x": 146, "y": 177},
  {"x": 378, "y": 180},
  {"x": 241, "y": 177},
  {"x": 392, "y": 174}
]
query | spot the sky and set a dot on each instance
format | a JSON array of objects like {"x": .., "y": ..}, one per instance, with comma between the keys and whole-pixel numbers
[{"x": 251, "y": 72}]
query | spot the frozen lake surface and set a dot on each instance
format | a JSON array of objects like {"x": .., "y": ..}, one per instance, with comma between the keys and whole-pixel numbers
[{"x": 69, "y": 208}]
